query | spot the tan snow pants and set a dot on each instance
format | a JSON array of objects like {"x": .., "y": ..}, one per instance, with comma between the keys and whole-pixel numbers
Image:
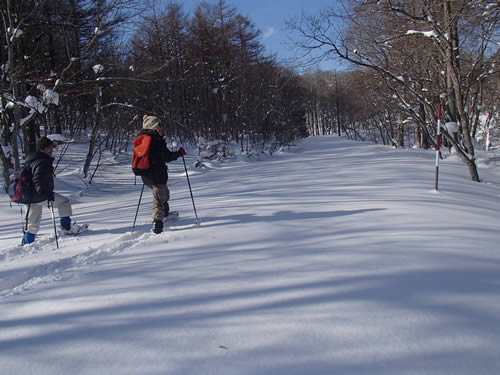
[
  {"x": 161, "y": 195},
  {"x": 35, "y": 211}
]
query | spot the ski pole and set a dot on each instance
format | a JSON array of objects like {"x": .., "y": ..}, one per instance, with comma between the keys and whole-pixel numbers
[
  {"x": 190, "y": 191},
  {"x": 54, "y": 221},
  {"x": 138, "y": 204},
  {"x": 23, "y": 220},
  {"x": 25, "y": 224}
]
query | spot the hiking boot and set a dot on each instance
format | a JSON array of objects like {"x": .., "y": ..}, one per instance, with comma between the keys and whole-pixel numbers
[
  {"x": 28, "y": 238},
  {"x": 66, "y": 223},
  {"x": 157, "y": 226}
]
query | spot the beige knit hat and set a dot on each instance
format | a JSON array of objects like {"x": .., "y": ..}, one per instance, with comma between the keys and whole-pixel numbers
[{"x": 150, "y": 122}]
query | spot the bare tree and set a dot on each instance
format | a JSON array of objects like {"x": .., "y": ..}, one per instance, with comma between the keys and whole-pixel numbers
[
  {"x": 65, "y": 68},
  {"x": 17, "y": 18},
  {"x": 425, "y": 51},
  {"x": 206, "y": 76}
]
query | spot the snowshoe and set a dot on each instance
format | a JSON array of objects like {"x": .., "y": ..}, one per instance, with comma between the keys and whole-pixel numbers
[
  {"x": 172, "y": 216},
  {"x": 74, "y": 229}
]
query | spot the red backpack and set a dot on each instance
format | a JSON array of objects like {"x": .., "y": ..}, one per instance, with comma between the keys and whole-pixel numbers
[{"x": 141, "y": 158}]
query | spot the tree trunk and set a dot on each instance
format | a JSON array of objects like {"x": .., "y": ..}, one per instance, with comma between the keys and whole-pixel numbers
[
  {"x": 471, "y": 165},
  {"x": 13, "y": 138},
  {"x": 5, "y": 169},
  {"x": 95, "y": 132},
  {"x": 400, "y": 131}
]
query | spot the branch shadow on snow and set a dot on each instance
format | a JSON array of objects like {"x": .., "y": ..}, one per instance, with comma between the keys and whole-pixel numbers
[
  {"x": 319, "y": 302},
  {"x": 280, "y": 216}
]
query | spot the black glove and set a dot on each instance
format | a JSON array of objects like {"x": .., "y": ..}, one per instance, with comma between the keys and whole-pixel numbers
[
  {"x": 50, "y": 197},
  {"x": 182, "y": 152}
]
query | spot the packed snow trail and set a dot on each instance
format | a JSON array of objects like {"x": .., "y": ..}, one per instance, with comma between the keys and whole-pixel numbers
[{"x": 335, "y": 257}]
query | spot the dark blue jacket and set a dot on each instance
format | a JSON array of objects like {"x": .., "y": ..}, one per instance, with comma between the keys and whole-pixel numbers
[{"x": 42, "y": 172}]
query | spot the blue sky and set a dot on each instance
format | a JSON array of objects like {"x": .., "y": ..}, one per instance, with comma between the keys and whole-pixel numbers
[{"x": 270, "y": 16}]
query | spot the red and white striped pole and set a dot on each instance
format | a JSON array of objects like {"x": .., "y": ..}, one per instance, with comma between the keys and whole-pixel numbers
[{"x": 438, "y": 141}]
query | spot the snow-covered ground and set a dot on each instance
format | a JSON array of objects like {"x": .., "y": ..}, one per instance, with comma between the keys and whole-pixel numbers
[{"x": 334, "y": 257}]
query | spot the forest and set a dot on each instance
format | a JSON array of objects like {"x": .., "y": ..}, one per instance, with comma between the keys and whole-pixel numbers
[{"x": 90, "y": 69}]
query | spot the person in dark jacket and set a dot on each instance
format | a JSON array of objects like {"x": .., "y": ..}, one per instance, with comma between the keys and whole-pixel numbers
[
  {"x": 42, "y": 172},
  {"x": 157, "y": 178}
]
